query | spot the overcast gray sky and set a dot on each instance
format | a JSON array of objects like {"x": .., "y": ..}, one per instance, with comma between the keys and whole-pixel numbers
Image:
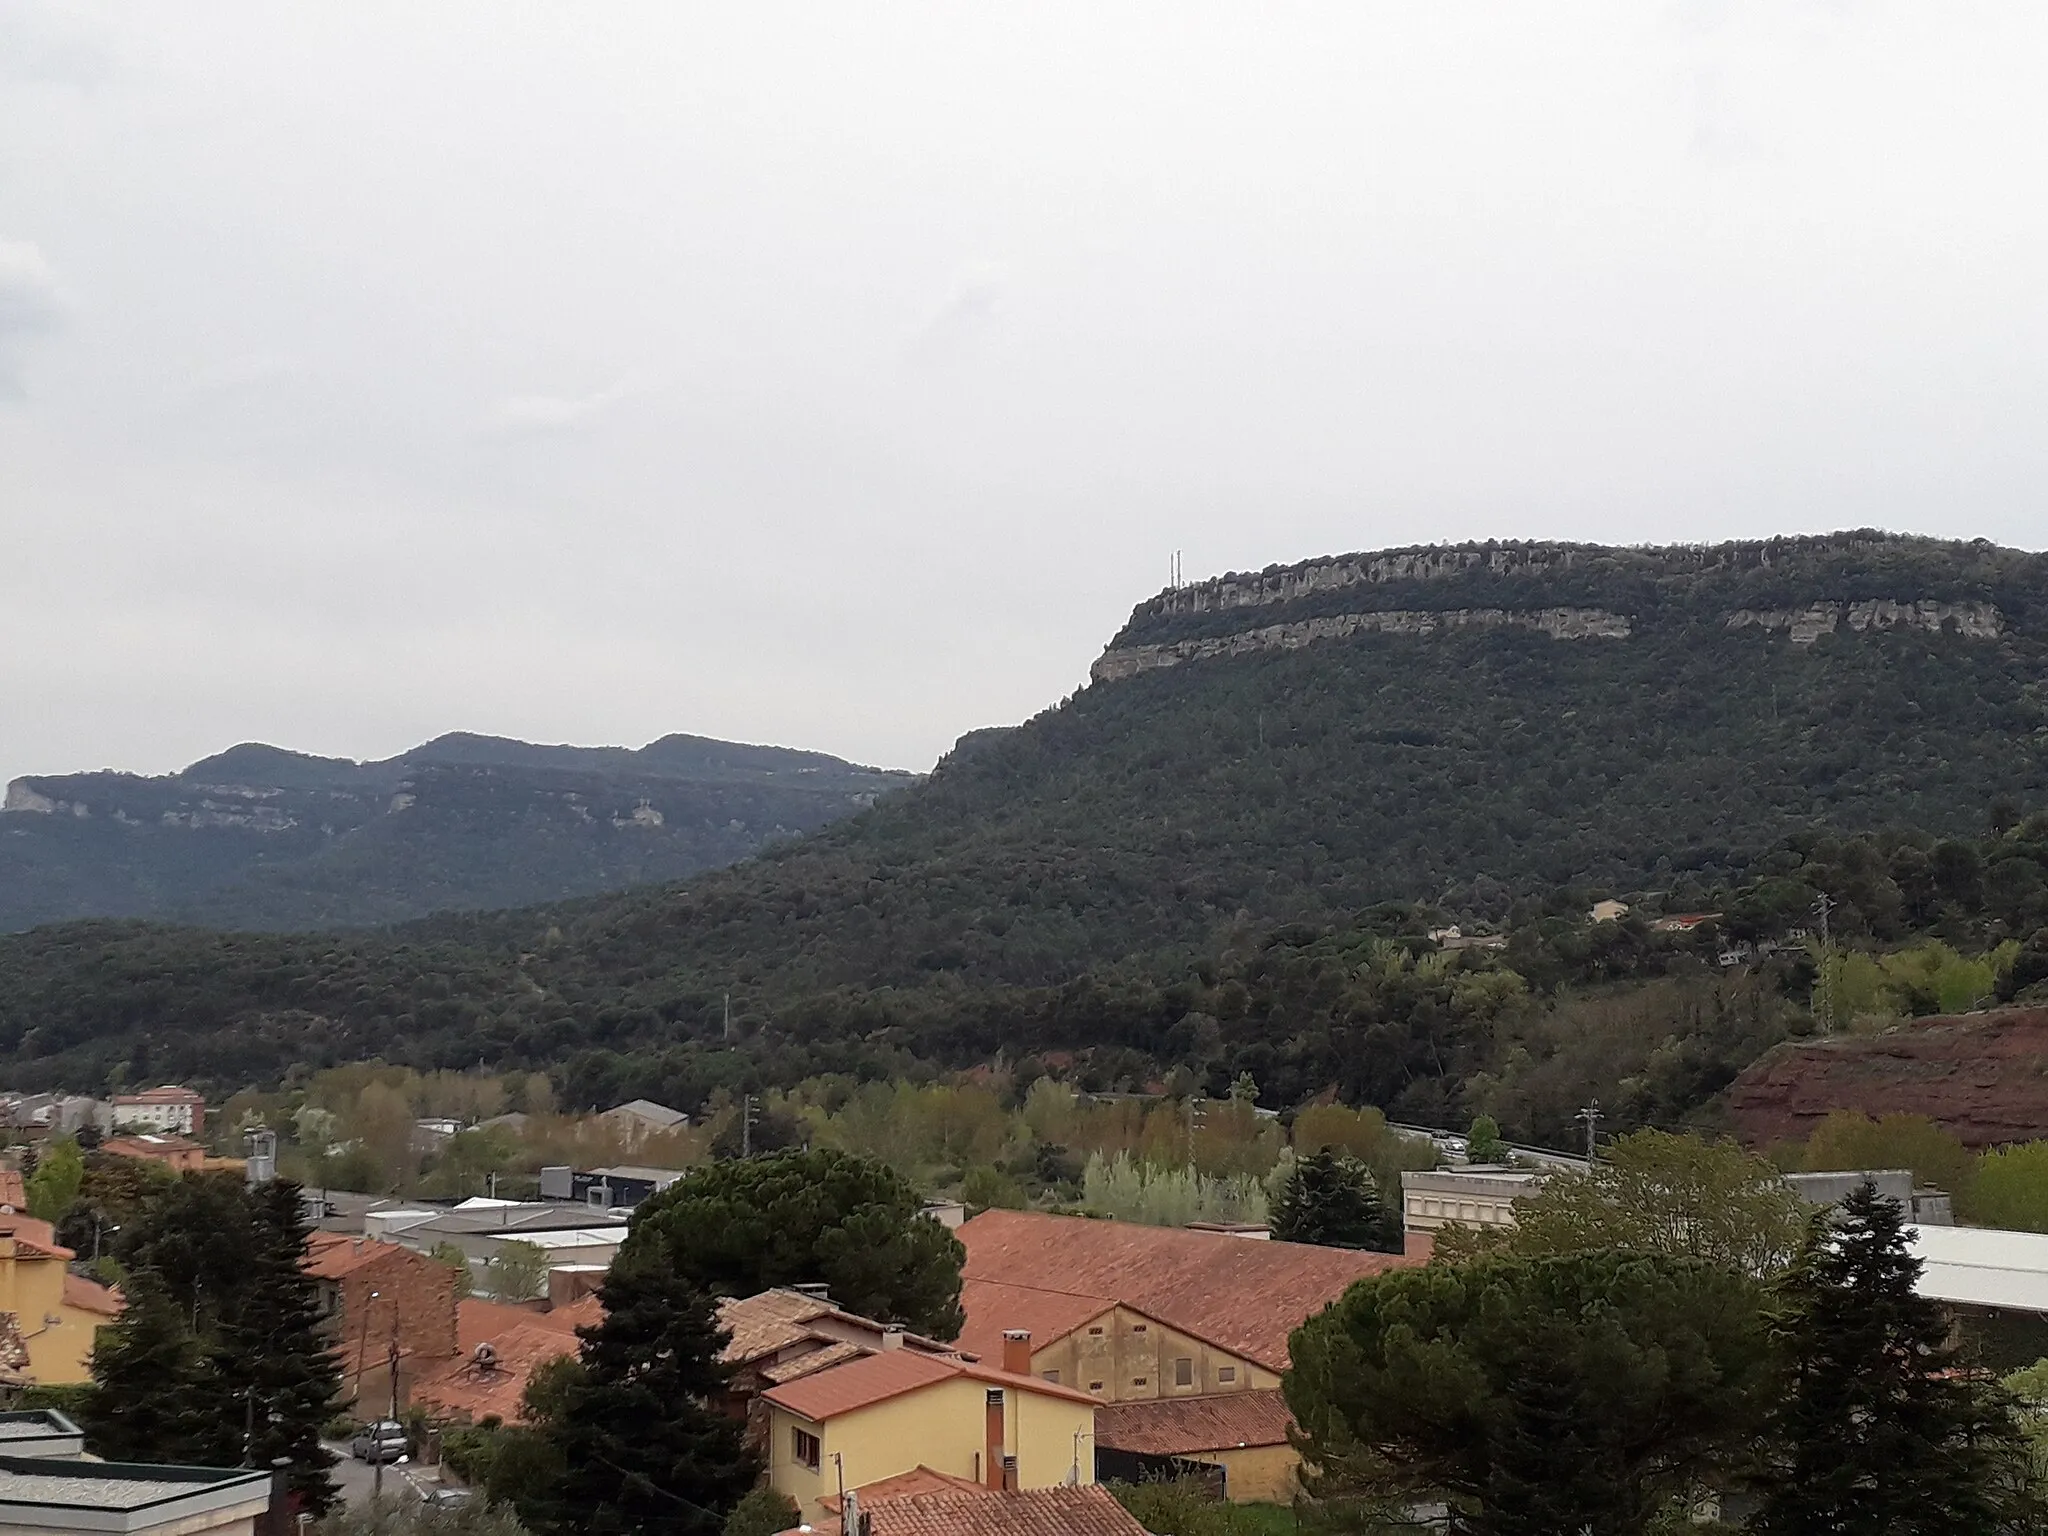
[{"x": 839, "y": 376}]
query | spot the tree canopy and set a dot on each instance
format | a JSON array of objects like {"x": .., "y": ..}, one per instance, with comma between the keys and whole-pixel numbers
[
  {"x": 1884, "y": 1426},
  {"x": 1332, "y": 1199},
  {"x": 740, "y": 1227},
  {"x": 1581, "y": 1392}
]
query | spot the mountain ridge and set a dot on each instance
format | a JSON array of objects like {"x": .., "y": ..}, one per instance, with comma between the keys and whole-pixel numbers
[{"x": 261, "y": 836}]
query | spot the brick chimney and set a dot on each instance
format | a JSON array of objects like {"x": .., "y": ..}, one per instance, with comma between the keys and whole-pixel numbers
[
  {"x": 1017, "y": 1351},
  {"x": 992, "y": 1462}
]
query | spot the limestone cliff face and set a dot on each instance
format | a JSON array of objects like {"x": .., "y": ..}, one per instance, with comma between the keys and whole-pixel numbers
[
  {"x": 1558, "y": 623},
  {"x": 1977, "y": 621}
]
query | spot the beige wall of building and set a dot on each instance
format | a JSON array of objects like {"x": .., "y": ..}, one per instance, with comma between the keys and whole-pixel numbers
[{"x": 1125, "y": 1356}]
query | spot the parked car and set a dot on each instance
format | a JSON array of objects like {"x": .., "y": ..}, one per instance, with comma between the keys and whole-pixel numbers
[
  {"x": 384, "y": 1440},
  {"x": 444, "y": 1497}
]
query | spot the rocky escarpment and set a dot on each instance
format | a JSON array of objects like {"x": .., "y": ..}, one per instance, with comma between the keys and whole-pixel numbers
[
  {"x": 1977, "y": 621},
  {"x": 1558, "y": 623},
  {"x": 1802, "y": 588},
  {"x": 1982, "y": 1076}
]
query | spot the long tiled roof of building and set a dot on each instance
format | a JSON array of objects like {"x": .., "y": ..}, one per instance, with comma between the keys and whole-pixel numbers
[
  {"x": 469, "y": 1386},
  {"x": 91, "y": 1296},
  {"x": 1242, "y": 1294},
  {"x": 877, "y": 1378},
  {"x": 1183, "y": 1426},
  {"x": 1089, "y": 1510}
]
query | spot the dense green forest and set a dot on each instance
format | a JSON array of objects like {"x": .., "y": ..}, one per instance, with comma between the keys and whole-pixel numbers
[
  {"x": 1232, "y": 865},
  {"x": 256, "y": 837}
]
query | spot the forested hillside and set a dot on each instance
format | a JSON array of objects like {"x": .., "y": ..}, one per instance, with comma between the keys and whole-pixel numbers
[
  {"x": 255, "y": 837},
  {"x": 1195, "y": 852}
]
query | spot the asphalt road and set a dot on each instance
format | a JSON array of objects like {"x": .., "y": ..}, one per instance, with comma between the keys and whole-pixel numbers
[{"x": 358, "y": 1479}]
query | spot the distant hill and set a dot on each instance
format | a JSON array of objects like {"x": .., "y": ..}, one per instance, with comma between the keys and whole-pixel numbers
[
  {"x": 1492, "y": 730},
  {"x": 258, "y": 837}
]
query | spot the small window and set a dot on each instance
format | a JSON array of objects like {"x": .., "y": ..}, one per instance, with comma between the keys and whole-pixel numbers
[
  {"x": 1183, "y": 1372},
  {"x": 1094, "y": 1386},
  {"x": 1226, "y": 1373},
  {"x": 1051, "y": 1376},
  {"x": 1137, "y": 1327},
  {"x": 1138, "y": 1381},
  {"x": 803, "y": 1445},
  {"x": 1094, "y": 1333}
]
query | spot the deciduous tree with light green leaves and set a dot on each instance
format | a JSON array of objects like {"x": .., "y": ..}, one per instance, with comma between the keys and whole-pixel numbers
[
  {"x": 1654, "y": 1192},
  {"x": 55, "y": 1183}
]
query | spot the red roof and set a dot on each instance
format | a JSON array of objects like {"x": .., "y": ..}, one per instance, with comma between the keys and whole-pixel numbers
[
  {"x": 1240, "y": 1294},
  {"x": 919, "y": 1479},
  {"x": 33, "y": 1239},
  {"x": 992, "y": 1307},
  {"x": 91, "y": 1296},
  {"x": 168, "y": 1093},
  {"x": 877, "y": 1378},
  {"x": 331, "y": 1255},
  {"x": 1090, "y": 1510},
  {"x": 520, "y": 1343},
  {"x": 1183, "y": 1426}
]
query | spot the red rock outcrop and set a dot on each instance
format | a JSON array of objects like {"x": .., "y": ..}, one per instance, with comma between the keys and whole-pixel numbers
[{"x": 1982, "y": 1075}]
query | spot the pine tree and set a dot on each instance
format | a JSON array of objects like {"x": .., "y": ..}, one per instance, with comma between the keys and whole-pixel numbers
[
  {"x": 271, "y": 1347},
  {"x": 156, "y": 1397},
  {"x": 644, "y": 1451},
  {"x": 1884, "y": 1429},
  {"x": 1333, "y": 1199}
]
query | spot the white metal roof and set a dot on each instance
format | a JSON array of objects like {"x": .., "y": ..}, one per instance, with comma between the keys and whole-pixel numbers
[
  {"x": 585, "y": 1237},
  {"x": 1983, "y": 1266}
]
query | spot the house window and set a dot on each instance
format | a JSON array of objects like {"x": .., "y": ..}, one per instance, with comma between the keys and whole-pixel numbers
[
  {"x": 1095, "y": 1333},
  {"x": 1051, "y": 1376},
  {"x": 1183, "y": 1372},
  {"x": 1094, "y": 1386},
  {"x": 1138, "y": 1381},
  {"x": 1137, "y": 1327},
  {"x": 803, "y": 1445},
  {"x": 1226, "y": 1373}
]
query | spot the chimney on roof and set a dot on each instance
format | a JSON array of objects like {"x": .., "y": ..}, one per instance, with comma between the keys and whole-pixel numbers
[
  {"x": 892, "y": 1336},
  {"x": 1010, "y": 1474},
  {"x": 1017, "y": 1351},
  {"x": 817, "y": 1290},
  {"x": 992, "y": 1473}
]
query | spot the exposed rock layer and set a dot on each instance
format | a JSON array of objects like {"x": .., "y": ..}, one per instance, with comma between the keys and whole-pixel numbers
[
  {"x": 1984, "y": 1076},
  {"x": 1558, "y": 623}
]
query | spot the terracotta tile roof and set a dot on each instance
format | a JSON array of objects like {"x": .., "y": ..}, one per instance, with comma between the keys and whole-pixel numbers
[
  {"x": 823, "y": 1358},
  {"x": 33, "y": 1239},
  {"x": 876, "y": 1378},
  {"x": 520, "y": 1341},
  {"x": 1239, "y": 1293},
  {"x": 1089, "y": 1510},
  {"x": 331, "y": 1255},
  {"x": 992, "y": 1306},
  {"x": 91, "y": 1296},
  {"x": 760, "y": 1325},
  {"x": 1182, "y": 1426},
  {"x": 917, "y": 1480}
]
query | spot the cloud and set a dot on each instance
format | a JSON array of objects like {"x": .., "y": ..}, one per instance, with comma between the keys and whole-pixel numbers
[
  {"x": 553, "y": 413},
  {"x": 961, "y": 316},
  {"x": 30, "y": 306},
  {"x": 40, "y": 48}
]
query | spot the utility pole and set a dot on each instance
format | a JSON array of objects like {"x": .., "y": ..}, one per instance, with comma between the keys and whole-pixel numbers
[
  {"x": 728, "y": 1016},
  {"x": 1824, "y": 990},
  {"x": 1591, "y": 1115},
  {"x": 746, "y": 1127}
]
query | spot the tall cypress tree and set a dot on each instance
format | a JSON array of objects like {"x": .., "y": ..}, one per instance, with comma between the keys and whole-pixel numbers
[
  {"x": 270, "y": 1346},
  {"x": 644, "y": 1451},
  {"x": 1883, "y": 1428},
  {"x": 156, "y": 1397}
]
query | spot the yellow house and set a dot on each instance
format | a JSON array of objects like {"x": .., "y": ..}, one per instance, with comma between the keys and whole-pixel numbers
[
  {"x": 883, "y": 1416},
  {"x": 55, "y": 1313}
]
